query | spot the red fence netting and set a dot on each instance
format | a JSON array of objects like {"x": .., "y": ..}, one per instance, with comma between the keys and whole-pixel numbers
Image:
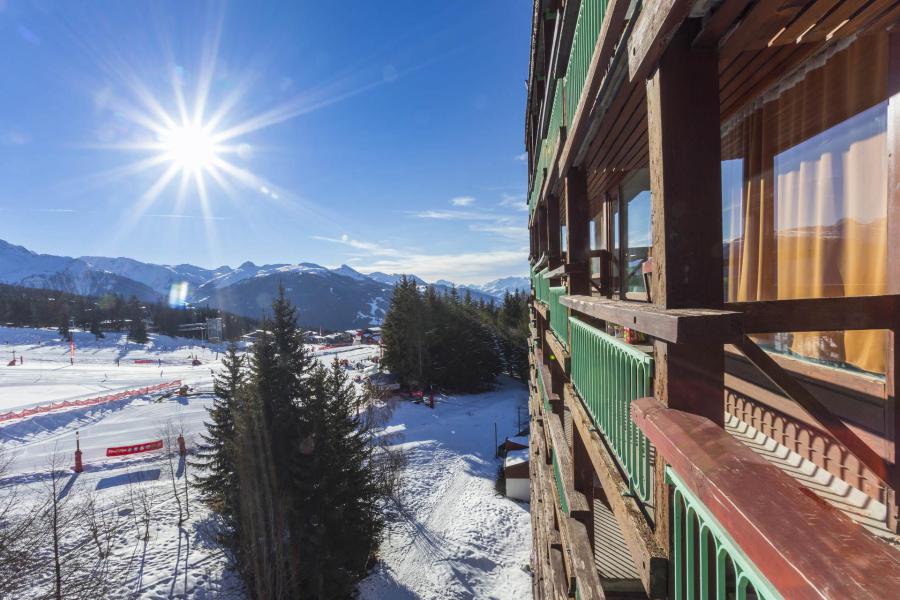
[{"x": 45, "y": 408}]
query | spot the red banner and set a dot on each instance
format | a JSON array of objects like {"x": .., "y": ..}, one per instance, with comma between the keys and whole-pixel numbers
[{"x": 145, "y": 447}]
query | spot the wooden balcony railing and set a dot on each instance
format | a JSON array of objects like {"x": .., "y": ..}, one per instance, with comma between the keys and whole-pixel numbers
[
  {"x": 608, "y": 375},
  {"x": 742, "y": 525}
]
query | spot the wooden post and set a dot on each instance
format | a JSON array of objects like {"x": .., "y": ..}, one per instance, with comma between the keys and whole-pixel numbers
[
  {"x": 578, "y": 236},
  {"x": 685, "y": 183},
  {"x": 893, "y": 274},
  {"x": 542, "y": 227},
  {"x": 554, "y": 249}
]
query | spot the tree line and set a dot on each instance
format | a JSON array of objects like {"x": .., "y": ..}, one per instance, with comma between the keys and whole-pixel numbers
[
  {"x": 36, "y": 307},
  {"x": 453, "y": 343},
  {"x": 290, "y": 462}
]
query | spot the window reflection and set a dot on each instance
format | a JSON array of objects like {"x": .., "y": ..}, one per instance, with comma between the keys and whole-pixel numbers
[
  {"x": 636, "y": 197},
  {"x": 804, "y": 197}
]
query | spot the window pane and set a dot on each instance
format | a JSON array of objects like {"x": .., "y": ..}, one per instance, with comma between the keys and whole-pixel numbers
[
  {"x": 804, "y": 195},
  {"x": 636, "y": 194}
]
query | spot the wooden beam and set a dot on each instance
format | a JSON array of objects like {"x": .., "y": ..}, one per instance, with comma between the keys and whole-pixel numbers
[
  {"x": 802, "y": 545},
  {"x": 818, "y": 314},
  {"x": 829, "y": 421},
  {"x": 655, "y": 27},
  {"x": 686, "y": 221},
  {"x": 892, "y": 352},
  {"x": 685, "y": 175},
  {"x": 554, "y": 247},
  {"x": 676, "y": 325},
  {"x": 565, "y": 269},
  {"x": 560, "y": 354},
  {"x": 578, "y": 240},
  {"x": 647, "y": 555}
]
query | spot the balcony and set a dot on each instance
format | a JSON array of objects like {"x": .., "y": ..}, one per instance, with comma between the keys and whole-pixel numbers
[
  {"x": 608, "y": 375},
  {"x": 743, "y": 528},
  {"x": 559, "y": 315},
  {"x": 565, "y": 93}
]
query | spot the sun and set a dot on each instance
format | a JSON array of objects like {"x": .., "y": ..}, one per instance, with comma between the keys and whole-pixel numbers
[{"x": 190, "y": 147}]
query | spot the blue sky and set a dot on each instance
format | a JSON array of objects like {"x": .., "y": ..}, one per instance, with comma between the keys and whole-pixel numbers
[{"x": 384, "y": 136}]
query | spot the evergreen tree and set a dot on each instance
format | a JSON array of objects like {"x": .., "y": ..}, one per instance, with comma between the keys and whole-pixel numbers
[
  {"x": 63, "y": 328},
  {"x": 138, "y": 331},
  {"x": 95, "y": 329},
  {"x": 403, "y": 333},
  {"x": 342, "y": 518},
  {"x": 215, "y": 457}
]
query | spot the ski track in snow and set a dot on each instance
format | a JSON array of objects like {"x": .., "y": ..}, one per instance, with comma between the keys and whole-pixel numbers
[
  {"x": 450, "y": 537},
  {"x": 453, "y": 536}
]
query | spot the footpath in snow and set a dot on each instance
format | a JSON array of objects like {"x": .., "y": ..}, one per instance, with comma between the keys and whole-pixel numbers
[{"x": 451, "y": 534}]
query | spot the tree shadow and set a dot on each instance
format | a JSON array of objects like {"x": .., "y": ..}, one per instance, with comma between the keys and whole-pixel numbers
[
  {"x": 68, "y": 487},
  {"x": 129, "y": 477}
]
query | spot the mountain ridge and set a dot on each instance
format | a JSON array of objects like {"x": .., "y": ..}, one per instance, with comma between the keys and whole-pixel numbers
[{"x": 339, "y": 297}]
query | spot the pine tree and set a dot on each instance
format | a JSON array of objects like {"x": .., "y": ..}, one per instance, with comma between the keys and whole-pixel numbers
[
  {"x": 63, "y": 328},
  {"x": 215, "y": 457},
  {"x": 343, "y": 521},
  {"x": 138, "y": 331},
  {"x": 95, "y": 329}
]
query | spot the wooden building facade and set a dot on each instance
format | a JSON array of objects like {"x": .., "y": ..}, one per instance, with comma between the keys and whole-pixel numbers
[{"x": 714, "y": 215}]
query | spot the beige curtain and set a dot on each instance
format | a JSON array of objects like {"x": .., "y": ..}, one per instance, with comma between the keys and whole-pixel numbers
[{"x": 813, "y": 219}]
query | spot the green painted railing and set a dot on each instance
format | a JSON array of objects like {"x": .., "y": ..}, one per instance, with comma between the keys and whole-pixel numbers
[
  {"x": 702, "y": 552},
  {"x": 559, "y": 315},
  {"x": 587, "y": 30},
  {"x": 608, "y": 374},
  {"x": 567, "y": 90},
  {"x": 560, "y": 488},
  {"x": 543, "y": 389},
  {"x": 543, "y": 287}
]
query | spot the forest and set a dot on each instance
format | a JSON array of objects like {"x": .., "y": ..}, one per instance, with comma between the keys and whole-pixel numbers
[
  {"x": 451, "y": 342},
  {"x": 37, "y": 307}
]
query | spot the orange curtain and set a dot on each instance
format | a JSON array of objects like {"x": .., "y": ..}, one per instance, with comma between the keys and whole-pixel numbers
[{"x": 814, "y": 197}]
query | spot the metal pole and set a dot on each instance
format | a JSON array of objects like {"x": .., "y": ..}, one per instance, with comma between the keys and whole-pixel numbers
[{"x": 496, "y": 447}]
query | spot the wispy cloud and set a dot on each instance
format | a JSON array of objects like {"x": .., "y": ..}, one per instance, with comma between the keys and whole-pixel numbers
[
  {"x": 453, "y": 215},
  {"x": 183, "y": 216},
  {"x": 516, "y": 201},
  {"x": 522, "y": 157},
  {"x": 370, "y": 248},
  {"x": 14, "y": 138},
  {"x": 511, "y": 232},
  {"x": 462, "y": 201},
  {"x": 466, "y": 267}
]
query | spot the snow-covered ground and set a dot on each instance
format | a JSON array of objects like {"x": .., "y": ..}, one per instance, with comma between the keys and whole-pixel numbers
[{"x": 451, "y": 536}]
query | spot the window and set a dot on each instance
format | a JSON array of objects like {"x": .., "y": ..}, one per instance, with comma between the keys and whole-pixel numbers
[
  {"x": 804, "y": 194},
  {"x": 635, "y": 195}
]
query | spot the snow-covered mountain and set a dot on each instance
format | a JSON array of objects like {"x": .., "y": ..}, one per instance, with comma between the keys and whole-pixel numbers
[
  {"x": 393, "y": 278},
  {"x": 336, "y": 298},
  {"x": 499, "y": 287},
  {"x": 20, "y": 266}
]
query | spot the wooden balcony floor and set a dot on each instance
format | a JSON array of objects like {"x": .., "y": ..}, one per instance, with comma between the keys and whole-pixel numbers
[
  {"x": 866, "y": 511},
  {"x": 612, "y": 558}
]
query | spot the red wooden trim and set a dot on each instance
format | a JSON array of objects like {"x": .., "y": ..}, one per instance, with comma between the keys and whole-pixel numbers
[{"x": 805, "y": 547}]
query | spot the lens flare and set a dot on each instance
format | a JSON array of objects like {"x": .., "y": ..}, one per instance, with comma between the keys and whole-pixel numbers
[{"x": 178, "y": 294}]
